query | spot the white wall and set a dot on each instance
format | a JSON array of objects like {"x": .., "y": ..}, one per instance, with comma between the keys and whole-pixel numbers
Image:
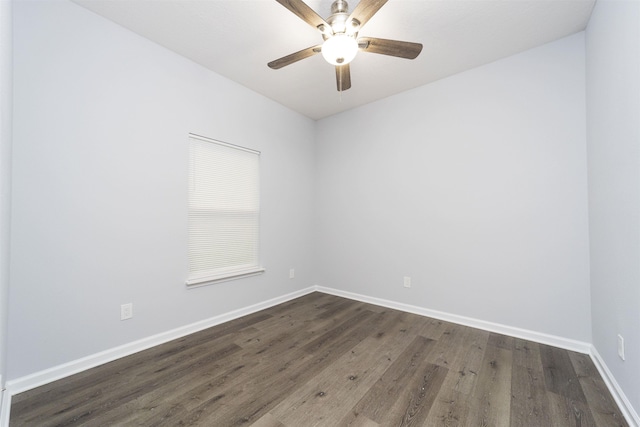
[
  {"x": 613, "y": 135},
  {"x": 474, "y": 186},
  {"x": 6, "y": 100},
  {"x": 100, "y": 186}
]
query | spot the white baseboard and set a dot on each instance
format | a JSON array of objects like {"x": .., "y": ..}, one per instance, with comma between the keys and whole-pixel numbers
[
  {"x": 37, "y": 379},
  {"x": 560, "y": 342},
  {"x": 621, "y": 399},
  {"x": 5, "y": 406},
  {"x": 568, "y": 344}
]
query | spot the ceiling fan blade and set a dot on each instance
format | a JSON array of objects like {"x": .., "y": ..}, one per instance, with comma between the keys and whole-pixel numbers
[
  {"x": 343, "y": 77},
  {"x": 397, "y": 48},
  {"x": 304, "y": 12},
  {"x": 294, "y": 57},
  {"x": 365, "y": 10}
]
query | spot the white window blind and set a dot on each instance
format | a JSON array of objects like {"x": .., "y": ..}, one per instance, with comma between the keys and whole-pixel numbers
[{"x": 224, "y": 210}]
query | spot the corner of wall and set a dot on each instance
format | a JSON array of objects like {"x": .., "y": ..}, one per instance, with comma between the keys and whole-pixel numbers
[{"x": 6, "y": 131}]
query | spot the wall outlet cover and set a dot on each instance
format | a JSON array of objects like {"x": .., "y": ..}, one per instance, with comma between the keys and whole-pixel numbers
[
  {"x": 407, "y": 282},
  {"x": 126, "y": 311},
  {"x": 621, "y": 346}
]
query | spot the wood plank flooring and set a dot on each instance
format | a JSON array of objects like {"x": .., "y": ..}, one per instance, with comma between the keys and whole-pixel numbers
[{"x": 321, "y": 360}]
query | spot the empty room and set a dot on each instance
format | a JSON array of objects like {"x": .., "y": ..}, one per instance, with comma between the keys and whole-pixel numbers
[{"x": 287, "y": 213}]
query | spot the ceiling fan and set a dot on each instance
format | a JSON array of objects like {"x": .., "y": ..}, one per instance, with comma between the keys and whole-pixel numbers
[{"x": 341, "y": 41}]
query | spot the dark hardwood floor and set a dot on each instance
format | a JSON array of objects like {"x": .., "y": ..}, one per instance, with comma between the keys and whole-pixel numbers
[{"x": 321, "y": 360}]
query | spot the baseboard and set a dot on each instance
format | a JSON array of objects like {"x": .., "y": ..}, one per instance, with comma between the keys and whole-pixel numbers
[
  {"x": 46, "y": 376},
  {"x": 37, "y": 379},
  {"x": 621, "y": 399},
  {"x": 5, "y": 406},
  {"x": 560, "y": 342}
]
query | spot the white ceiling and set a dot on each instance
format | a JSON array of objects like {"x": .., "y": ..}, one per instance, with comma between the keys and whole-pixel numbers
[{"x": 237, "y": 38}]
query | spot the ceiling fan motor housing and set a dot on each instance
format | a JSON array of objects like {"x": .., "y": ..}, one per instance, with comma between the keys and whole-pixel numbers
[
  {"x": 339, "y": 6},
  {"x": 338, "y": 21}
]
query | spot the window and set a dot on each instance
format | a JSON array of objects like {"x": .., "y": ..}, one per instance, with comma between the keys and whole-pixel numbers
[{"x": 224, "y": 211}]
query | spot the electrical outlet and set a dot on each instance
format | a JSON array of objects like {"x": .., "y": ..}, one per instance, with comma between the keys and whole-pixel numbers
[
  {"x": 407, "y": 282},
  {"x": 621, "y": 346},
  {"x": 126, "y": 311},
  {"x": 292, "y": 273}
]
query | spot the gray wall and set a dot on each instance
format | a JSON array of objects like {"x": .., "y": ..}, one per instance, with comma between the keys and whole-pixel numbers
[
  {"x": 613, "y": 141},
  {"x": 6, "y": 101},
  {"x": 101, "y": 118},
  {"x": 474, "y": 186}
]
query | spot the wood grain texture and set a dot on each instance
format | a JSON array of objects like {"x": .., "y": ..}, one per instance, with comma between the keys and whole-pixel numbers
[
  {"x": 294, "y": 57},
  {"x": 491, "y": 398},
  {"x": 343, "y": 77},
  {"x": 322, "y": 360},
  {"x": 603, "y": 409},
  {"x": 559, "y": 374},
  {"x": 304, "y": 12},
  {"x": 365, "y": 10},
  {"x": 400, "y": 49}
]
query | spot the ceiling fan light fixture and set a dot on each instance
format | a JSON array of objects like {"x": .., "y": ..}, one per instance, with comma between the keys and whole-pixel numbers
[
  {"x": 339, "y": 49},
  {"x": 341, "y": 40}
]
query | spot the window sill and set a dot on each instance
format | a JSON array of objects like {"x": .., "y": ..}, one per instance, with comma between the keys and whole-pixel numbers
[{"x": 197, "y": 282}]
